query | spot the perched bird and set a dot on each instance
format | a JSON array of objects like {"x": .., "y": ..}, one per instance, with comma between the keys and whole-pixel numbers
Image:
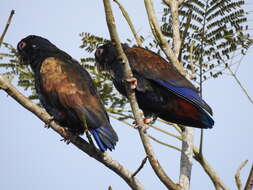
[
  {"x": 66, "y": 90},
  {"x": 161, "y": 91}
]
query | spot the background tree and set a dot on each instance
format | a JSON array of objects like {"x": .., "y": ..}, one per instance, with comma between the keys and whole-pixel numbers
[{"x": 115, "y": 104}]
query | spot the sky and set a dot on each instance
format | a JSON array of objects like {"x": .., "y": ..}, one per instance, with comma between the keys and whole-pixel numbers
[{"x": 32, "y": 157}]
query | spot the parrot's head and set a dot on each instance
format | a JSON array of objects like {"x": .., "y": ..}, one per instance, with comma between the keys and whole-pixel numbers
[
  {"x": 106, "y": 56},
  {"x": 33, "y": 48}
]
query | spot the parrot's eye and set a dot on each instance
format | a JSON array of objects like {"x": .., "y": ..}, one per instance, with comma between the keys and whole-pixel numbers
[{"x": 21, "y": 45}]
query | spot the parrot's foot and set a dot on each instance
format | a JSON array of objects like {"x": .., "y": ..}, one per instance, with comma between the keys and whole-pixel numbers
[
  {"x": 89, "y": 138},
  {"x": 144, "y": 127},
  {"x": 133, "y": 83},
  {"x": 65, "y": 133},
  {"x": 66, "y": 140},
  {"x": 148, "y": 120},
  {"x": 48, "y": 122}
]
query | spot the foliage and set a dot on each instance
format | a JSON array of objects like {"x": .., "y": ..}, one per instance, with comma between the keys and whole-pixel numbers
[
  {"x": 214, "y": 35},
  {"x": 11, "y": 63}
]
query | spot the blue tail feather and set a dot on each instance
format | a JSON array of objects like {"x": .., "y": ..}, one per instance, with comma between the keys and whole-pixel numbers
[{"x": 105, "y": 137}]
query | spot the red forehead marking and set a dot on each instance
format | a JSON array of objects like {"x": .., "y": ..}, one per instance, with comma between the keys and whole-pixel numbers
[{"x": 22, "y": 45}]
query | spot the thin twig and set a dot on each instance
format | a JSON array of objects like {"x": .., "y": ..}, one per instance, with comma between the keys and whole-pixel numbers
[
  {"x": 6, "y": 27},
  {"x": 130, "y": 23},
  {"x": 163, "y": 143},
  {"x": 237, "y": 175},
  {"x": 240, "y": 84},
  {"x": 80, "y": 143},
  {"x": 140, "y": 167},
  {"x": 165, "y": 179},
  {"x": 217, "y": 182},
  {"x": 249, "y": 183}
]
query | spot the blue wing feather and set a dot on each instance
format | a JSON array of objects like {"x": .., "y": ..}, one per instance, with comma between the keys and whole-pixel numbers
[{"x": 186, "y": 93}]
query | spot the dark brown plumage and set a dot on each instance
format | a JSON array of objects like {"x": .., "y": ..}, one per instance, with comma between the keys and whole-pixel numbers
[
  {"x": 161, "y": 90},
  {"x": 66, "y": 90}
]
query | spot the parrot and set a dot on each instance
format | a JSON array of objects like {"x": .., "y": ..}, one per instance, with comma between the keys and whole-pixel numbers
[
  {"x": 161, "y": 91},
  {"x": 66, "y": 91}
]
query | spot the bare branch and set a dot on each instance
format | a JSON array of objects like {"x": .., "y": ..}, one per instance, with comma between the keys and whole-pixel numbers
[
  {"x": 249, "y": 183},
  {"x": 218, "y": 184},
  {"x": 80, "y": 143},
  {"x": 160, "y": 38},
  {"x": 210, "y": 172},
  {"x": 237, "y": 175},
  {"x": 186, "y": 158},
  {"x": 133, "y": 102},
  {"x": 125, "y": 14},
  {"x": 141, "y": 166},
  {"x": 6, "y": 27},
  {"x": 173, "y": 4},
  {"x": 199, "y": 158}
]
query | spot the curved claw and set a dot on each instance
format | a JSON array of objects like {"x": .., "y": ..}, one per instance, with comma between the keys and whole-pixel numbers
[
  {"x": 47, "y": 124},
  {"x": 133, "y": 82},
  {"x": 67, "y": 141}
]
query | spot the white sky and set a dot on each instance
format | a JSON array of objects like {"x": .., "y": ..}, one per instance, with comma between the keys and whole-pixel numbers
[{"x": 32, "y": 157}]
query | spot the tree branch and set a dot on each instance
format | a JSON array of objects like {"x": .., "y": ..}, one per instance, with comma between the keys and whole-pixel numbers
[
  {"x": 80, "y": 143},
  {"x": 133, "y": 102},
  {"x": 210, "y": 172},
  {"x": 249, "y": 183},
  {"x": 125, "y": 14},
  {"x": 237, "y": 175},
  {"x": 174, "y": 5},
  {"x": 218, "y": 184},
  {"x": 6, "y": 27},
  {"x": 199, "y": 158},
  {"x": 186, "y": 158}
]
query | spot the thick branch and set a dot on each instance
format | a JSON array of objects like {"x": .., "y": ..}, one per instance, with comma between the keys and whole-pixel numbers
[
  {"x": 6, "y": 26},
  {"x": 160, "y": 38},
  {"x": 133, "y": 102},
  {"x": 186, "y": 158},
  {"x": 80, "y": 143},
  {"x": 125, "y": 14}
]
